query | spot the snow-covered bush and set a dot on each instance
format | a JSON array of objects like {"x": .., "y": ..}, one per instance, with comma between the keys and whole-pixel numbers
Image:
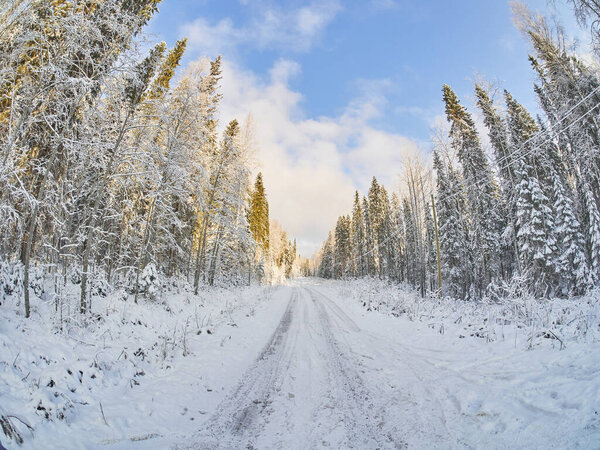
[
  {"x": 64, "y": 370},
  {"x": 36, "y": 281},
  {"x": 76, "y": 276},
  {"x": 536, "y": 320},
  {"x": 100, "y": 285},
  {"x": 11, "y": 278},
  {"x": 150, "y": 281}
]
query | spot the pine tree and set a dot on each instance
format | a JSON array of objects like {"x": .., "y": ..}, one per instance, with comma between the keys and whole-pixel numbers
[
  {"x": 453, "y": 231},
  {"x": 327, "y": 261},
  {"x": 164, "y": 161},
  {"x": 229, "y": 201},
  {"x": 259, "y": 214},
  {"x": 481, "y": 191},
  {"x": 342, "y": 248},
  {"x": 386, "y": 235},
  {"x": 358, "y": 239},
  {"x": 55, "y": 75},
  {"x": 370, "y": 240},
  {"x": 535, "y": 227},
  {"x": 128, "y": 103},
  {"x": 572, "y": 263}
]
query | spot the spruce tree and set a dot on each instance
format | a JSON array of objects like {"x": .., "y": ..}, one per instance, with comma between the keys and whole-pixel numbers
[
  {"x": 375, "y": 219},
  {"x": 572, "y": 263},
  {"x": 535, "y": 227},
  {"x": 481, "y": 191},
  {"x": 569, "y": 92},
  {"x": 593, "y": 233},
  {"x": 326, "y": 267},
  {"x": 385, "y": 236},
  {"x": 359, "y": 266},
  {"x": 259, "y": 214},
  {"x": 342, "y": 247},
  {"x": 411, "y": 243},
  {"x": 453, "y": 231},
  {"x": 370, "y": 240}
]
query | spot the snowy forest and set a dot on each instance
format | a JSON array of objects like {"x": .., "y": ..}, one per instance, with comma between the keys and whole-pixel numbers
[
  {"x": 160, "y": 196},
  {"x": 113, "y": 171},
  {"x": 522, "y": 216}
]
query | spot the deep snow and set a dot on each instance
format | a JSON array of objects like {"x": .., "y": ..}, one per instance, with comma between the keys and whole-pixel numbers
[{"x": 311, "y": 365}]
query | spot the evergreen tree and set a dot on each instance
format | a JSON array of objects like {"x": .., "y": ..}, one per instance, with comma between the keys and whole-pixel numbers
[
  {"x": 370, "y": 240},
  {"x": 386, "y": 236},
  {"x": 375, "y": 219},
  {"x": 572, "y": 263},
  {"x": 327, "y": 260},
  {"x": 430, "y": 250},
  {"x": 535, "y": 227},
  {"x": 342, "y": 248},
  {"x": 453, "y": 232},
  {"x": 593, "y": 233},
  {"x": 481, "y": 191},
  {"x": 498, "y": 135},
  {"x": 411, "y": 244},
  {"x": 358, "y": 239},
  {"x": 53, "y": 76},
  {"x": 259, "y": 214}
]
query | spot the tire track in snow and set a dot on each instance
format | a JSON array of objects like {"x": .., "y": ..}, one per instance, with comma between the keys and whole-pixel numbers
[
  {"x": 363, "y": 416},
  {"x": 240, "y": 417},
  {"x": 428, "y": 405},
  {"x": 347, "y": 415}
]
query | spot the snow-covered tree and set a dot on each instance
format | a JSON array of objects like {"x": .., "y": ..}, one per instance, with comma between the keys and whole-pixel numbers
[
  {"x": 480, "y": 190},
  {"x": 359, "y": 266}
]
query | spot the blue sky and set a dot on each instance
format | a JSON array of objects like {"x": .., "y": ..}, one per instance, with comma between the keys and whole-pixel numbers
[{"x": 340, "y": 91}]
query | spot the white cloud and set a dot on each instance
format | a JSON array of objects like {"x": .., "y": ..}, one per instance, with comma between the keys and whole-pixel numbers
[
  {"x": 283, "y": 70},
  {"x": 311, "y": 166},
  {"x": 269, "y": 27},
  {"x": 213, "y": 39}
]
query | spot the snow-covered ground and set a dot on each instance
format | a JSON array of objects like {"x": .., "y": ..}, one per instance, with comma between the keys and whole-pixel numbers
[
  {"x": 311, "y": 365},
  {"x": 130, "y": 378}
]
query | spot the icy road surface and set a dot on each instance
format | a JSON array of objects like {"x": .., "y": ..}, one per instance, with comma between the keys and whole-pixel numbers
[{"x": 333, "y": 376}]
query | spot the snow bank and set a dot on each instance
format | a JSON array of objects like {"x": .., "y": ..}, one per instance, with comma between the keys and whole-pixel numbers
[
  {"x": 486, "y": 375},
  {"x": 528, "y": 321},
  {"x": 111, "y": 379}
]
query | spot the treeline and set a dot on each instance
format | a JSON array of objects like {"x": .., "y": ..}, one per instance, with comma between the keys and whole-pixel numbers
[
  {"x": 110, "y": 172},
  {"x": 527, "y": 219}
]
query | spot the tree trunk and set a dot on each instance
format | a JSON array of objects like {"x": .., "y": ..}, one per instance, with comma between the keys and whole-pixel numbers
[{"x": 99, "y": 189}]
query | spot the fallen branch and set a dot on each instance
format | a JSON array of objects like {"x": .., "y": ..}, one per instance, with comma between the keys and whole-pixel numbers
[
  {"x": 23, "y": 422},
  {"x": 103, "y": 417},
  {"x": 16, "y": 357},
  {"x": 562, "y": 345}
]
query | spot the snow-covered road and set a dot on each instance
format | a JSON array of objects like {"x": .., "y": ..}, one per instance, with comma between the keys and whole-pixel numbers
[
  {"x": 306, "y": 388},
  {"x": 332, "y": 376}
]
